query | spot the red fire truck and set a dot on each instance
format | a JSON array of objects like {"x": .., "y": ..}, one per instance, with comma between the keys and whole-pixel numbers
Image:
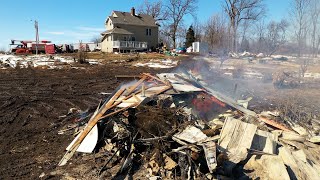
[{"x": 30, "y": 47}]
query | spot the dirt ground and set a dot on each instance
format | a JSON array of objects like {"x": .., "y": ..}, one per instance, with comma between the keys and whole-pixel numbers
[{"x": 31, "y": 101}]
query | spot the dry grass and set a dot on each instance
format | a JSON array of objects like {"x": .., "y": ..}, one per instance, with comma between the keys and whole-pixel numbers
[{"x": 126, "y": 56}]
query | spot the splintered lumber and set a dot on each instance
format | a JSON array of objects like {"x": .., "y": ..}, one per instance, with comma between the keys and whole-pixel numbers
[
  {"x": 169, "y": 163},
  {"x": 112, "y": 103},
  {"x": 235, "y": 138},
  {"x": 156, "y": 78},
  {"x": 266, "y": 167},
  {"x": 314, "y": 139},
  {"x": 264, "y": 141},
  {"x": 149, "y": 93},
  {"x": 273, "y": 123},
  {"x": 180, "y": 83},
  {"x": 92, "y": 122},
  {"x": 211, "y": 155},
  {"x": 89, "y": 142},
  {"x": 299, "y": 164},
  {"x": 120, "y": 110},
  {"x": 191, "y": 135},
  {"x": 132, "y": 88},
  {"x": 292, "y": 136}
]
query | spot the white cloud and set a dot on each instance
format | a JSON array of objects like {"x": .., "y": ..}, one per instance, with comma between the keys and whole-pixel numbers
[
  {"x": 83, "y": 33},
  {"x": 84, "y": 28},
  {"x": 55, "y": 33}
]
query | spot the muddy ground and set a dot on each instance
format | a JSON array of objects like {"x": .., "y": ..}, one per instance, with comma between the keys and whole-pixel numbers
[{"x": 31, "y": 101}]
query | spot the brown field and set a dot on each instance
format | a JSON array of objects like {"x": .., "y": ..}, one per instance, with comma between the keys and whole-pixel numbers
[{"x": 32, "y": 100}]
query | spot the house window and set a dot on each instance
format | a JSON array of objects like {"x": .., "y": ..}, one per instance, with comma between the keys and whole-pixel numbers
[
  {"x": 125, "y": 38},
  {"x": 148, "y": 32},
  {"x": 133, "y": 38}
]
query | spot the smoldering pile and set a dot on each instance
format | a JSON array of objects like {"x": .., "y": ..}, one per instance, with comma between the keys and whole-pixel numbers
[{"x": 172, "y": 126}]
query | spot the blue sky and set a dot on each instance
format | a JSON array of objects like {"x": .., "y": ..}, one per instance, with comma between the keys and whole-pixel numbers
[{"x": 67, "y": 21}]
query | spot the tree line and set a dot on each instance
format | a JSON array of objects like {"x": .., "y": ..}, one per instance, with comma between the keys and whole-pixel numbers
[{"x": 242, "y": 25}]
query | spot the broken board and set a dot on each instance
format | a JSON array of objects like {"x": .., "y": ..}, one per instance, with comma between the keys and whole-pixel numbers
[
  {"x": 211, "y": 155},
  {"x": 236, "y": 137},
  {"x": 178, "y": 83},
  {"x": 266, "y": 167},
  {"x": 191, "y": 135},
  {"x": 89, "y": 142},
  {"x": 264, "y": 141}
]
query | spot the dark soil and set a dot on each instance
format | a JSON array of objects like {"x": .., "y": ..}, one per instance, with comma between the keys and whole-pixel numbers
[{"x": 31, "y": 101}]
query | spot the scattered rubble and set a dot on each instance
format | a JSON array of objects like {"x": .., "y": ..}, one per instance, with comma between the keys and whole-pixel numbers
[
  {"x": 42, "y": 61},
  {"x": 165, "y": 63},
  {"x": 173, "y": 125}
]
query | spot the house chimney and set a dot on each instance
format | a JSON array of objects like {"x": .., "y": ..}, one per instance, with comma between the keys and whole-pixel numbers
[{"x": 133, "y": 11}]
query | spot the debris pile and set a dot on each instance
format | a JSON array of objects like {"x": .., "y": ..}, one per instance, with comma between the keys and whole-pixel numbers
[
  {"x": 40, "y": 61},
  {"x": 165, "y": 63},
  {"x": 173, "y": 126}
]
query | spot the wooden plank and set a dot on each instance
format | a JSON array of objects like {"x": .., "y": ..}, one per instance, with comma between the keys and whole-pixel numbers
[
  {"x": 273, "y": 123},
  {"x": 236, "y": 138},
  {"x": 132, "y": 88},
  {"x": 299, "y": 166},
  {"x": 228, "y": 126},
  {"x": 156, "y": 78},
  {"x": 92, "y": 122},
  {"x": 186, "y": 88},
  {"x": 266, "y": 167},
  {"x": 191, "y": 134},
  {"x": 120, "y": 110},
  {"x": 211, "y": 155},
  {"x": 89, "y": 142},
  {"x": 264, "y": 141}
]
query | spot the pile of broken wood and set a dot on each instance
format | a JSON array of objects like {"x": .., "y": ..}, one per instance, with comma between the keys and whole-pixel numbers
[{"x": 173, "y": 126}]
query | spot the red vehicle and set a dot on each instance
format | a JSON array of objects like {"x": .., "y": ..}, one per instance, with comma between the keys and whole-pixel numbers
[
  {"x": 50, "y": 49},
  {"x": 30, "y": 47}
]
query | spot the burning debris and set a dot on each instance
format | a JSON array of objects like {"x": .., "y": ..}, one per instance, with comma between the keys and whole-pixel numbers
[{"x": 174, "y": 126}]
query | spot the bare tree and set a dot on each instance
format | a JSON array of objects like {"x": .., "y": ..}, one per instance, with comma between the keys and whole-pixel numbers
[
  {"x": 304, "y": 65},
  {"x": 299, "y": 15},
  {"x": 177, "y": 10},
  {"x": 318, "y": 45},
  {"x": 260, "y": 33},
  {"x": 96, "y": 39},
  {"x": 242, "y": 10},
  {"x": 276, "y": 36},
  {"x": 244, "y": 45},
  {"x": 155, "y": 9},
  {"x": 315, "y": 20},
  {"x": 2, "y": 50},
  {"x": 216, "y": 33},
  {"x": 198, "y": 29}
]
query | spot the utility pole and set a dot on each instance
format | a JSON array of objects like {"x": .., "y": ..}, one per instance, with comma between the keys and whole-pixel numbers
[{"x": 36, "y": 26}]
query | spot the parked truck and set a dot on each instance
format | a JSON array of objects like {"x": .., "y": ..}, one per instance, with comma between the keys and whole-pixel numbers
[{"x": 30, "y": 47}]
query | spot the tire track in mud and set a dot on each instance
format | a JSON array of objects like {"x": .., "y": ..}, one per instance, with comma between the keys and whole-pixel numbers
[{"x": 31, "y": 100}]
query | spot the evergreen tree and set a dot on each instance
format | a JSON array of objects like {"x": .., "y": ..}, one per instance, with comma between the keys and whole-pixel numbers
[{"x": 190, "y": 37}]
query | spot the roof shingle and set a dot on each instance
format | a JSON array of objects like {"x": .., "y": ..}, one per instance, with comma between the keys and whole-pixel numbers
[{"x": 138, "y": 20}]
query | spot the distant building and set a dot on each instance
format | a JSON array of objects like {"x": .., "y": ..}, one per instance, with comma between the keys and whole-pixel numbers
[{"x": 126, "y": 31}]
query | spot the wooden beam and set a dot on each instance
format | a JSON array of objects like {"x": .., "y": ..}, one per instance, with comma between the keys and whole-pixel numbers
[{"x": 92, "y": 122}]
